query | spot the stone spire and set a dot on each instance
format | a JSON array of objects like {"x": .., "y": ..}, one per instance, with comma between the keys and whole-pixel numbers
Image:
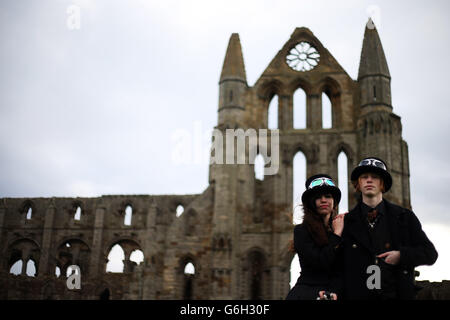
[
  {"x": 233, "y": 65},
  {"x": 374, "y": 78},
  {"x": 232, "y": 86},
  {"x": 373, "y": 61}
]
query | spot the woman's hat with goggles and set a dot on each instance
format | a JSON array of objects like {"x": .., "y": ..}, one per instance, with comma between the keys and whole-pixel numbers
[
  {"x": 374, "y": 165},
  {"x": 320, "y": 184}
]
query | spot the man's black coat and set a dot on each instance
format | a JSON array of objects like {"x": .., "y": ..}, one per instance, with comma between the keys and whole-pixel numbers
[{"x": 407, "y": 236}]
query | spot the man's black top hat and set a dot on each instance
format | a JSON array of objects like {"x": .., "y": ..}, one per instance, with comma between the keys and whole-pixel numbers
[
  {"x": 374, "y": 165},
  {"x": 320, "y": 184}
]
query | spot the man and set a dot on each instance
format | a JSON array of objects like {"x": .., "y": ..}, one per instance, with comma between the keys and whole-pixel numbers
[{"x": 380, "y": 234}]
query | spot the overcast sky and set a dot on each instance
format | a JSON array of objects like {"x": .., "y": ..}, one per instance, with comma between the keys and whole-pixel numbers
[{"x": 92, "y": 108}]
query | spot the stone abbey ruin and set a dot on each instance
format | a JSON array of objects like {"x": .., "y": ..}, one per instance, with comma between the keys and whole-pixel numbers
[{"x": 235, "y": 235}]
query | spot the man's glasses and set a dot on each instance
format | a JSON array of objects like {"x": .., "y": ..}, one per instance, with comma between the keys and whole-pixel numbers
[
  {"x": 373, "y": 162},
  {"x": 320, "y": 182}
]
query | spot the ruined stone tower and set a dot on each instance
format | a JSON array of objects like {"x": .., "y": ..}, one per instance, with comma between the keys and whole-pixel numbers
[{"x": 236, "y": 233}]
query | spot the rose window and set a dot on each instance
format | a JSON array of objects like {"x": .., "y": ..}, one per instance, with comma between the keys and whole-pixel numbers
[{"x": 303, "y": 57}]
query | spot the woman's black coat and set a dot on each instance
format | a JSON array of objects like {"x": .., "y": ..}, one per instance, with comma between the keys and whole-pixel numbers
[
  {"x": 318, "y": 264},
  {"x": 407, "y": 236}
]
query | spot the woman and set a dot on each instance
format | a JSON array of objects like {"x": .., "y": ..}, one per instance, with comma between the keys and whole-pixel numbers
[{"x": 317, "y": 240}]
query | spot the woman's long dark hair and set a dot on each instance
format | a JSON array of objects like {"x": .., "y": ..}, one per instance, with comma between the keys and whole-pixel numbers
[{"x": 314, "y": 222}]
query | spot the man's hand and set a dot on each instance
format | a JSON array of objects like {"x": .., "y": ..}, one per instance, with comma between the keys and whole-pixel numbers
[{"x": 391, "y": 257}]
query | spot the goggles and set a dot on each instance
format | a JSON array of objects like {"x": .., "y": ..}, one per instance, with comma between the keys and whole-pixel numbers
[
  {"x": 373, "y": 162},
  {"x": 318, "y": 182}
]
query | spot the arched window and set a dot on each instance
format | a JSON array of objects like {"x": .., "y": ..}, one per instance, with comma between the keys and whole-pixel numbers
[
  {"x": 16, "y": 268},
  {"x": 259, "y": 167},
  {"x": 299, "y": 109},
  {"x": 23, "y": 254},
  {"x": 327, "y": 120},
  {"x": 189, "y": 272},
  {"x": 180, "y": 210},
  {"x": 128, "y": 215},
  {"x": 189, "y": 268},
  {"x": 57, "y": 271},
  {"x": 124, "y": 256},
  {"x": 77, "y": 215},
  {"x": 115, "y": 259},
  {"x": 343, "y": 181},
  {"x": 299, "y": 178},
  {"x": 71, "y": 252},
  {"x": 137, "y": 256},
  {"x": 31, "y": 268},
  {"x": 272, "y": 116},
  {"x": 295, "y": 270},
  {"x": 29, "y": 213}
]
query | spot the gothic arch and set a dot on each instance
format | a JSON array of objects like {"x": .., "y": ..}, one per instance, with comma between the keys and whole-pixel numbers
[
  {"x": 175, "y": 203},
  {"x": 75, "y": 205},
  {"x": 14, "y": 242},
  {"x": 342, "y": 146},
  {"x": 72, "y": 251},
  {"x": 332, "y": 89},
  {"x": 121, "y": 210},
  {"x": 268, "y": 89},
  {"x": 124, "y": 204},
  {"x": 329, "y": 86},
  {"x": 299, "y": 94},
  {"x": 298, "y": 146},
  {"x": 130, "y": 243},
  {"x": 186, "y": 258},
  {"x": 26, "y": 205},
  {"x": 256, "y": 273},
  {"x": 188, "y": 283},
  {"x": 23, "y": 249},
  {"x": 128, "y": 246},
  {"x": 300, "y": 83}
]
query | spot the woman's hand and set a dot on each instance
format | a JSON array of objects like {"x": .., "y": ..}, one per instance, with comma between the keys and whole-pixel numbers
[
  {"x": 330, "y": 296},
  {"x": 338, "y": 224}
]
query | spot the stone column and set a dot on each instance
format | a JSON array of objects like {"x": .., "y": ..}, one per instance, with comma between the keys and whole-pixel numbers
[
  {"x": 314, "y": 111},
  {"x": 47, "y": 239},
  {"x": 148, "y": 290},
  {"x": 96, "y": 253},
  {"x": 284, "y": 112}
]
